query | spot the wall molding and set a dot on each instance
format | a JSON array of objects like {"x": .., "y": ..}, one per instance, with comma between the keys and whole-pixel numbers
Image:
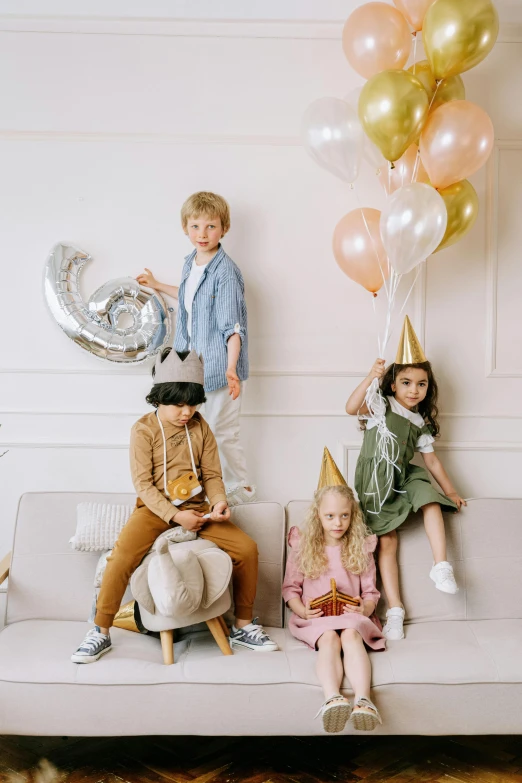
[
  {"x": 81, "y": 137},
  {"x": 327, "y": 30},
  {"x": 296, "y": 414},
  {"x": 348, "y": 447},
  {"x": 492, "y": 202}
]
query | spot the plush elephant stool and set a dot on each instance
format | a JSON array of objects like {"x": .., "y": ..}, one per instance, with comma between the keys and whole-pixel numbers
[{"x": 181, "y": 584}]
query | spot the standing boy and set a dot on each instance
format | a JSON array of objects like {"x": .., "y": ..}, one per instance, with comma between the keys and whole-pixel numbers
[{"x": 212, "y": 319}]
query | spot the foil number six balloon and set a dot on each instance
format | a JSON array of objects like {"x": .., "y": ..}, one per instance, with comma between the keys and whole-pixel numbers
[{"x": 93, "y": 325}]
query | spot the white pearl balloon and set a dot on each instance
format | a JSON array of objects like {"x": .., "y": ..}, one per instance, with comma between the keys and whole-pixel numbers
[{"x": 412, "y": 224}]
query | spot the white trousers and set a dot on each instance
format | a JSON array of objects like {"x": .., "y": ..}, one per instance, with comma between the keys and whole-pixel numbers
[{"x": 222, "y": 415}]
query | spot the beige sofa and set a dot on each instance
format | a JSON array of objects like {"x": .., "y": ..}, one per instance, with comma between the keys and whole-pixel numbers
[{"x": 459, "y": 670}]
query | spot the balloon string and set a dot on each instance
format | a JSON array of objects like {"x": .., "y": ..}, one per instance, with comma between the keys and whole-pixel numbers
[
  {"x": 386, "y": 448},
  {"x": 411, "y": 288},
  {"x": 417, "y": 159},
  {"x": 414, "y": 53},
  {"x": 434, "y": 94},
  {"x": 372, "y": 241}
]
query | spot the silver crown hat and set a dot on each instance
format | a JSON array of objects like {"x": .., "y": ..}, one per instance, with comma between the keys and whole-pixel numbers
[{"x": 176, "y": 370}]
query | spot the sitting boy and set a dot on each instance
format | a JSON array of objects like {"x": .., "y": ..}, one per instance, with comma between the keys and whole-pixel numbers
[{"x": 164, "y": 447}]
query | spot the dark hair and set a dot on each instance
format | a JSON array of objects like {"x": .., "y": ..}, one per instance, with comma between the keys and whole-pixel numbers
[
  {"x": 175, "y": 393},
  {"x": 428, "y": 407}
]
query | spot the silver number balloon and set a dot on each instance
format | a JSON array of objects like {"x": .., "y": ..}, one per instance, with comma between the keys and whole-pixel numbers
[{"x": 93, "y": 325}]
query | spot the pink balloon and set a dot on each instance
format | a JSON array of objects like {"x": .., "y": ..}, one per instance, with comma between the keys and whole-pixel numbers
[
  {"x": 456, "y": 141},
  {"x": 402, "y": 174},
  {"x": 358, "y": 248},
  {"x": 376, "y": 37},
  {"x": 414, "y": 11}
]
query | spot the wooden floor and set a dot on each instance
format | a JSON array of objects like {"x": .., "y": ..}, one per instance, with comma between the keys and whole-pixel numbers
[{"x": 261, "y": 760}]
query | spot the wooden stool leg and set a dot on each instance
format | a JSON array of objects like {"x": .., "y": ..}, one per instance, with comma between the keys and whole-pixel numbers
[
  {"x": 216, "y": 629},
  {"x": 224, "y": 625},
  {"x": 167, "y": 646}
]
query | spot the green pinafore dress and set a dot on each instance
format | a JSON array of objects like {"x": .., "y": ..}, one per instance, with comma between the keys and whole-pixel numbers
[{"x": 411, "y": 485}]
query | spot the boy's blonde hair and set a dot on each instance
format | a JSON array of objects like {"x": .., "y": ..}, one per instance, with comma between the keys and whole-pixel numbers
[
  {"x": 206, "y": 203},
  {"x": 311, "y": 556}
]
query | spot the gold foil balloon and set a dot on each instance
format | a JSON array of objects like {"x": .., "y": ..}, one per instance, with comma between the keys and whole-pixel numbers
[
  {"x": 462, "y": 205},
  {"x": 407, "y": 169},
  {"x": 425, "y": 75},
  {"x": 414, "y": 11},
  {"x": 456, "y": 141},
  {"x": 358, "y": 248},
  {"x": 459, "y": 34},
  {"x": 376, "y": 37},
  {"x": 450, "y": 89},
  {"x": 393, "y": 108}
]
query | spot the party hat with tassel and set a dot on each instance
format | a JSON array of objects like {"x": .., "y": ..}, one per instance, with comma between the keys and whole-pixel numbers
[
  {"x": 330, "y": 475},
  {"x": 409, "y": 350}
]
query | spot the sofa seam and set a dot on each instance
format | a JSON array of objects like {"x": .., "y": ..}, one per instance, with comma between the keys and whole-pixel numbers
[{"x": 487, "y": 654}]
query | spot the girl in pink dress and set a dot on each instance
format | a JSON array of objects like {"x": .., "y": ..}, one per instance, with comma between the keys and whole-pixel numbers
[{"x": 335, "y": 544}]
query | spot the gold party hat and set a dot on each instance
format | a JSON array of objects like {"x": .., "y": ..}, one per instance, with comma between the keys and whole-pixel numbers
[
  {"x": 330, "y": 475},
  {"x": 409, "y": 350}
]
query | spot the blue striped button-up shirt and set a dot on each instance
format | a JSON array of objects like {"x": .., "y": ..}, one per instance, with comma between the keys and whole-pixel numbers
[{"x": 218, "y": 312}]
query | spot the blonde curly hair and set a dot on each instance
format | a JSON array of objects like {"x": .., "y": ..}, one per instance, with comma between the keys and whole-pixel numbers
[{"x": 311, "y": 555}]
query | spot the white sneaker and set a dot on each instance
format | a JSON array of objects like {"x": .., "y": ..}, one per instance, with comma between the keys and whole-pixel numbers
[
  {"x": 394, "y": 628},
  {"x": 444, "y": 578},
  {"x": 240, "y": 495}
]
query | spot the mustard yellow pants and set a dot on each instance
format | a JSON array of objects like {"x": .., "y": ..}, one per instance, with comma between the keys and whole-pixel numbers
[{"x": 136, "y": 539}]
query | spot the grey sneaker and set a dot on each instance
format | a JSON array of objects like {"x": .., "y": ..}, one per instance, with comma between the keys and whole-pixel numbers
[
  {"x": 252, "y": 636},
  {"x": 240, "y": 495},
  {"x": 93, "y": 647}
]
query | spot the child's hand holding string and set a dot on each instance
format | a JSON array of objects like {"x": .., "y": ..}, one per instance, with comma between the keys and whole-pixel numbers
[{"x": 377, "y": 370}]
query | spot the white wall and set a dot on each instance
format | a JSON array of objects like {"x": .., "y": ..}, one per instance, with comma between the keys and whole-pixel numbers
[{"x": 106, "y": 125}]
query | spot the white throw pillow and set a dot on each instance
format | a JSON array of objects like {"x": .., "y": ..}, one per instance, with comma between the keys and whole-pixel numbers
[{"x": 98, "y": 525}]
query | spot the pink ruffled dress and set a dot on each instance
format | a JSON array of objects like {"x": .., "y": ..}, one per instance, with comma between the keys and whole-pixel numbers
[{"x": 295, "y": 585}]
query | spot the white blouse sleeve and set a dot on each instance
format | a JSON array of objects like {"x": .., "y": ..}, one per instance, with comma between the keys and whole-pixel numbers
[{"x": 425, "y": 444}]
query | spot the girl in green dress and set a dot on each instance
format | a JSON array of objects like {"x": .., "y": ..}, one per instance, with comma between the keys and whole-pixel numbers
[{"x": 410, "y": 393}]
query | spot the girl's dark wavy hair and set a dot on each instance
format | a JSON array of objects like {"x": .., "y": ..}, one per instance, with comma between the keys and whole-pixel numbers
[
  {"x": 428, "y": 408},
  {"x": 175, "y": 393}
]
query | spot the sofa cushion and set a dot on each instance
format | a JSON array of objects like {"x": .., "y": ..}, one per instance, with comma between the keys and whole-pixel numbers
[{"x": 39, "y": 651}]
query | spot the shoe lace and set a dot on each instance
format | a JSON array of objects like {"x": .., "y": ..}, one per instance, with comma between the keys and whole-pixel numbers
[
  {"x": 446, "y": 574},
  {"x": 92, "y": 640},
  {"x": 256, "y": 631}
]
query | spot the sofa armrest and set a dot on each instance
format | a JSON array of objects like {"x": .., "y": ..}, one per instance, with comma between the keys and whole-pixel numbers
[{"x": 4, "y": 567}]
